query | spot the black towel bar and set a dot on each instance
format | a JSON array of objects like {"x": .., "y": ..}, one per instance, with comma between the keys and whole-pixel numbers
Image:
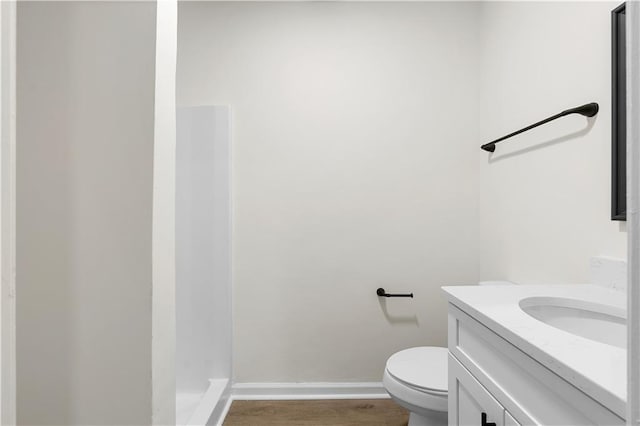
[{"x": 588, "y": 110}]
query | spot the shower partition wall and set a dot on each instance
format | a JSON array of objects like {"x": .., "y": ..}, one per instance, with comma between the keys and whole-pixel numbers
[{"x": 203, "y": 263}]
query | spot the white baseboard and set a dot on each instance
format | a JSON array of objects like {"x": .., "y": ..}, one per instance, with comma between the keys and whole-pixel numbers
[{"x": 280, "y": 391}]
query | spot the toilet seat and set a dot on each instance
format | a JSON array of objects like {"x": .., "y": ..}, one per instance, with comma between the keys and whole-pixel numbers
[
  {"x": 423, "y": 368},
  {"x": 416, "y": 378}
]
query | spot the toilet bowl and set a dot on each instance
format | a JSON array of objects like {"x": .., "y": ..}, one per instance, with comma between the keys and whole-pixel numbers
[{"x": 416, "y": 379}]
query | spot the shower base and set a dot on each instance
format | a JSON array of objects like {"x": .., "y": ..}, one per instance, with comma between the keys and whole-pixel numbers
[{"x": 195, "y": 409}]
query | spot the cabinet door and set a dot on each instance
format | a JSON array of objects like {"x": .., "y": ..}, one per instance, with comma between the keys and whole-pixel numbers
[{"x": 470, "y": 404}]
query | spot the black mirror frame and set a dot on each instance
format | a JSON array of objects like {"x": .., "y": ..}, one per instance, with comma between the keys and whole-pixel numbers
[{"x": 618, "y": 115}]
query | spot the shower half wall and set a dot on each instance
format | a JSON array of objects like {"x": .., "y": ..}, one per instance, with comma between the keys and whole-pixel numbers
[{"x": 203, "y": 263}]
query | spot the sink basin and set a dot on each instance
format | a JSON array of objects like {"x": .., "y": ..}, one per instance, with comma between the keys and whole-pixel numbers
[{"x": 602, "y": 323}]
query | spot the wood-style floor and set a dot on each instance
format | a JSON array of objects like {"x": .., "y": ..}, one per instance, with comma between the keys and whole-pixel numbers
[{"x": 342, "y": 412}]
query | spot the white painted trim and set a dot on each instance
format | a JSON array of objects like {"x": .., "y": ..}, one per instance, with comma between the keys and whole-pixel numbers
[
  {"x": 633, "y": 219},
  {"x": 8, "y": 211},
  {"x": 230, "y": 157},
  {"x": 163, "y": 272},
  {"x": 281, "y": 391}
]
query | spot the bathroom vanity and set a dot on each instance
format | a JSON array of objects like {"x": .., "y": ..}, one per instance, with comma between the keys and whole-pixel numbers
[{"x": 546, "y": 355}]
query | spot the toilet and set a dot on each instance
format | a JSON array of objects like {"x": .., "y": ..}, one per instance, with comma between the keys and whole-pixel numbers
[{"x": 416, "y": 379}]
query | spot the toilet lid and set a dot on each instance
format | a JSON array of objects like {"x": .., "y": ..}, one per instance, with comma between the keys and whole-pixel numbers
[{"x": 423, "y": 367}]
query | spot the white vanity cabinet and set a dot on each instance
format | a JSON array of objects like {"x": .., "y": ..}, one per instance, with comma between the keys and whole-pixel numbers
[{"x": 493, "y": 383}]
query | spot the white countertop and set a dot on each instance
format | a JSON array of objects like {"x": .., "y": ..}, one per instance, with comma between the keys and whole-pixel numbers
[{"x": 597, "y": 369}]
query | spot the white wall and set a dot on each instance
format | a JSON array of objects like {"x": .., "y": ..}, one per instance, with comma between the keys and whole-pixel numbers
[
  {"x": 355, "y": 164},
  {"x": 545, "y": 195},
  {"x": 86, "y": 74}
]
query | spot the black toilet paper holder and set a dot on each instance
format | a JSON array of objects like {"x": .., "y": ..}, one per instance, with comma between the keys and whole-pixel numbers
[{"x": 380, "y": 292}]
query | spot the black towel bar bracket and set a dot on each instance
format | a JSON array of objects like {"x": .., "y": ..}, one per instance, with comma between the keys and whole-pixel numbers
[
  {"x": 588, "y": 110},
  {"x": 380, "y": 292}
]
